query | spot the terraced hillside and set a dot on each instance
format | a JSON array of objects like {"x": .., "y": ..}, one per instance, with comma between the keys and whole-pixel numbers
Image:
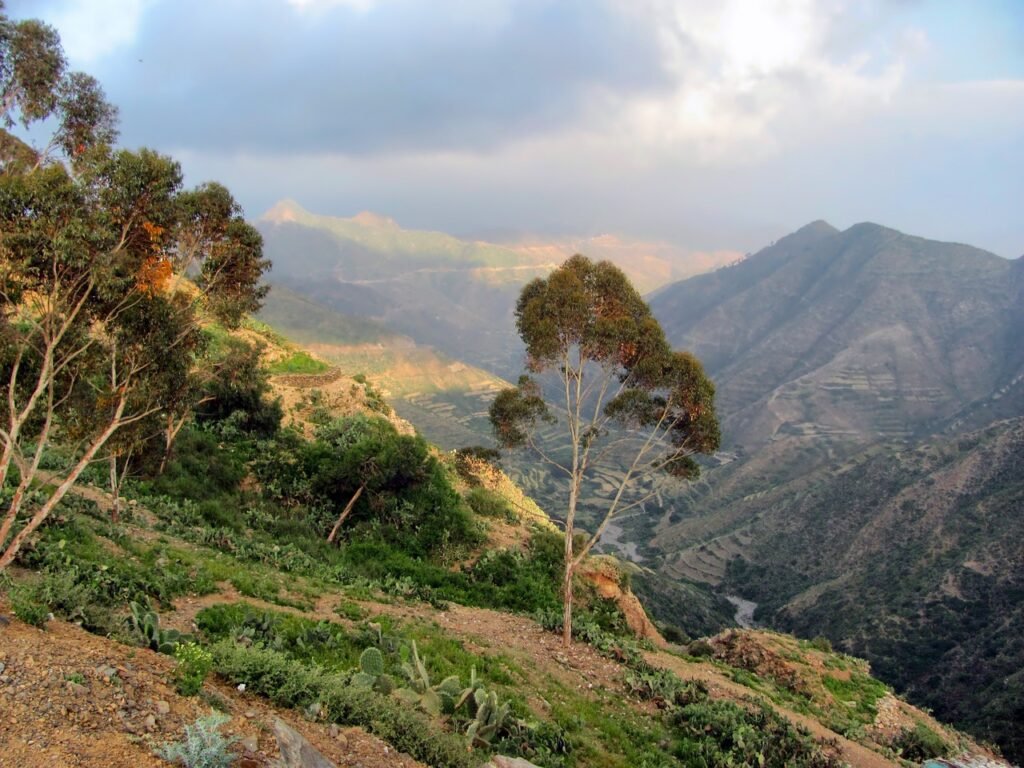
[
  {"x": 453, "y": 295},
  {"x": 829, "y": 335},
  {"x": 856, "y": 370}
]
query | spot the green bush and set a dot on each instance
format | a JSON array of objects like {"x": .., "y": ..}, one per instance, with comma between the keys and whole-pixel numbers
[
  {"x": 290, "y": 683},
  {"x": 27, "y": 606},
  {"x": 300, "y": 362},
  {"x": 700, "y": 649},
  {"x": 919, "y": 743},
  {"x": 821, "y": 643},
  {"x": 487, "y": 503},
  {"x": 194, "y": 664},
  {"x": 722, "y": 733}
]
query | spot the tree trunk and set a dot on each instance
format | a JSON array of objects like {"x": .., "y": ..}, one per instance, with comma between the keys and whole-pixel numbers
[
  {"x": 567, "y": 607},
  {"x": 115, "y": 496},
  {"x": 44, "y": 511},
  {"x": 345, "y": 513}
]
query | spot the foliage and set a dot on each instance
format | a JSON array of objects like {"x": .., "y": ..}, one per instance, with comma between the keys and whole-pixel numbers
[
  {"x": 290, "y": 683},
  {"x": 588, "y": 328},
  {"x": 408, "y": 499},
  {"x": 919, "y": 743},
  {"x": 371, "y": 672},
  {"x": 194, "y": 664},
  {"x": 298, "y": 362},
  {"x": 724, "y": 733},
  {"x": 97, "y": 330},
  {"x": 488, "y": 503},
  {"x": 27, "y": 606},
  {"x": 238, "y": 389},
  {"x": 203, "y": 745},
  {"x": 489, "y": 720}
]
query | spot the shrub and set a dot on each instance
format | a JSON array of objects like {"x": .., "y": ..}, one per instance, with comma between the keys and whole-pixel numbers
[
  {"x": 821, "y": 643},
  {"x": 700, "y": 649},
  {"x": 203, "y": 746},
  {"x": 300, "y": 362},
  {"x": 27, "y": 606},
  {"x": 487, "y": 503},
  {"x": 194, "y": 664},
  {"x": 291, "y": 683},
  {"x": 919, "y": 743}
]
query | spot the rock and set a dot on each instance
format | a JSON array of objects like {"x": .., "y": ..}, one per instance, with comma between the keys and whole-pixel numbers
[
  {"x": 2, "y": 667},
  {"x": 150, "y": 722},
  {"x": 162, "y": 707},
  {"x": 500, "y": 761},
  {"x": 4, "y": 621},
  {"x": 296, "y": 752},
  {"x": 249, "y": 743}
]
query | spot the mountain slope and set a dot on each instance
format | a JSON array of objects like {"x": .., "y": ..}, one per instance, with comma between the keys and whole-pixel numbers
[
  {"x": 857, "y": 334},
  {"x": 397, "y": 364},
  {"x": 454, "y": 295},
  {"x": 872, "y": 387},
  {"x": 912, "y": 559}
]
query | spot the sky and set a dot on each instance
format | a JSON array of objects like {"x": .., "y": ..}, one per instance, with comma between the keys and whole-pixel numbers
[{"x": 718, "y": 125}]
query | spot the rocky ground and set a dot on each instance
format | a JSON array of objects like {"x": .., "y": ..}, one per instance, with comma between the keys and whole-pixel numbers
[{"x": 70, "y": 699}]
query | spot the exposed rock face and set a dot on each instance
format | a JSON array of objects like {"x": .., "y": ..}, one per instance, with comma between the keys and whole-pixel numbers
[
  {"x": 604, "y": 574},
  {"x": 296, "y": 752}
]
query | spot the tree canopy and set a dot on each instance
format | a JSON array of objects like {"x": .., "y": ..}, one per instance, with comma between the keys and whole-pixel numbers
[
  {"x": 106, "y": 267},
  {"x": 624, "y": 397}
]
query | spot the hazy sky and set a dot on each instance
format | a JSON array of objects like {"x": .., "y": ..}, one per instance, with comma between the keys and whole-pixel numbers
[{"x": 709, "y": 124}]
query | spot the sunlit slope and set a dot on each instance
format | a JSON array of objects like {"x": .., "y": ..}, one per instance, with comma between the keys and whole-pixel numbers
[{"x": 457, "y": 296}]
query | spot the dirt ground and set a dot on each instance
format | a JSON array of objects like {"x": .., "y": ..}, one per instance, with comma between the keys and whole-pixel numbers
[{"x": 70, "y": 699}]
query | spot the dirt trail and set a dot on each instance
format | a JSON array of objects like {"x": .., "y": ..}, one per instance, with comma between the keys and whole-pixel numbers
[
  {"x": 71, "y": 699},
  {"x": 483, "y": 631},
  {"x": 580, "y": 666}
]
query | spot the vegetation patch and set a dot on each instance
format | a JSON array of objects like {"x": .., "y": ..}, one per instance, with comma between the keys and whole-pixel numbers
[{"x": 298, "y": 362}]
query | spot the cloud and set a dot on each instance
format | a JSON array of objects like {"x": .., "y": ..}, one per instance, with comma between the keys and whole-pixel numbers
[
  {"x": 750, "y": 78},
  {"x": 399, "y": 75},
  {"x": 712, "y": 125}
]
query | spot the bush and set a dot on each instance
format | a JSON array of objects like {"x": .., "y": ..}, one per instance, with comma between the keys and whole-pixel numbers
[
  {"x": 203, "y": 746},
  {"x": 821, "y": 643},
  {"x": 27, "y": 606},
  {"x": 700, "y": 649},
  {"x": 291, "y": 683},
  {"x": 919, "y": 743},
  {"x": 194, "y": 664},
  {"x": 487, "y": 503}
]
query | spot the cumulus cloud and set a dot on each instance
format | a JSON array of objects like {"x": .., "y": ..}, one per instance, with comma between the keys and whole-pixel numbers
[{"x": 715, "y": 125}]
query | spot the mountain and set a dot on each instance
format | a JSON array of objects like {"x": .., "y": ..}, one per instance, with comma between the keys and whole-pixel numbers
[
  {"x": 871, "y": 387},
  {"x": 852, "y": 335},
  {"x": 454, "y": 295},
  {"x": 912, "y": 559},
  {"x": 385, "y": 647},
  {"x": 395, "y": 362}
]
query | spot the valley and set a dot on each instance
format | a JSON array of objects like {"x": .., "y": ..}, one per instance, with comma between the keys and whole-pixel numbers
[{"x": 834, "y": 354}]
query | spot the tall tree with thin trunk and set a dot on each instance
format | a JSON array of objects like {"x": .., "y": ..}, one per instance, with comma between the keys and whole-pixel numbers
[
  {"x": 99, "y": 329},
  {"x": 625, "y": 400}
]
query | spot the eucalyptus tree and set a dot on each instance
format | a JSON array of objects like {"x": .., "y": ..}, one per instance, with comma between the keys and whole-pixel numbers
[
  {"x": 106, "y": 267},
  {"x": 625, "y": 400}
]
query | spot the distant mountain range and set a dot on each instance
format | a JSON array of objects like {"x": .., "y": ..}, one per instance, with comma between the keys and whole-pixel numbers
[
  {"x": 871, "y": 390},
  {"x": 453, "y": 295},
  {"x": 871, "y": 489}
]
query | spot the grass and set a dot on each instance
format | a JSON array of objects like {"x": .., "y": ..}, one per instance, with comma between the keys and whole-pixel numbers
[{"x": 299, "y": 362}]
